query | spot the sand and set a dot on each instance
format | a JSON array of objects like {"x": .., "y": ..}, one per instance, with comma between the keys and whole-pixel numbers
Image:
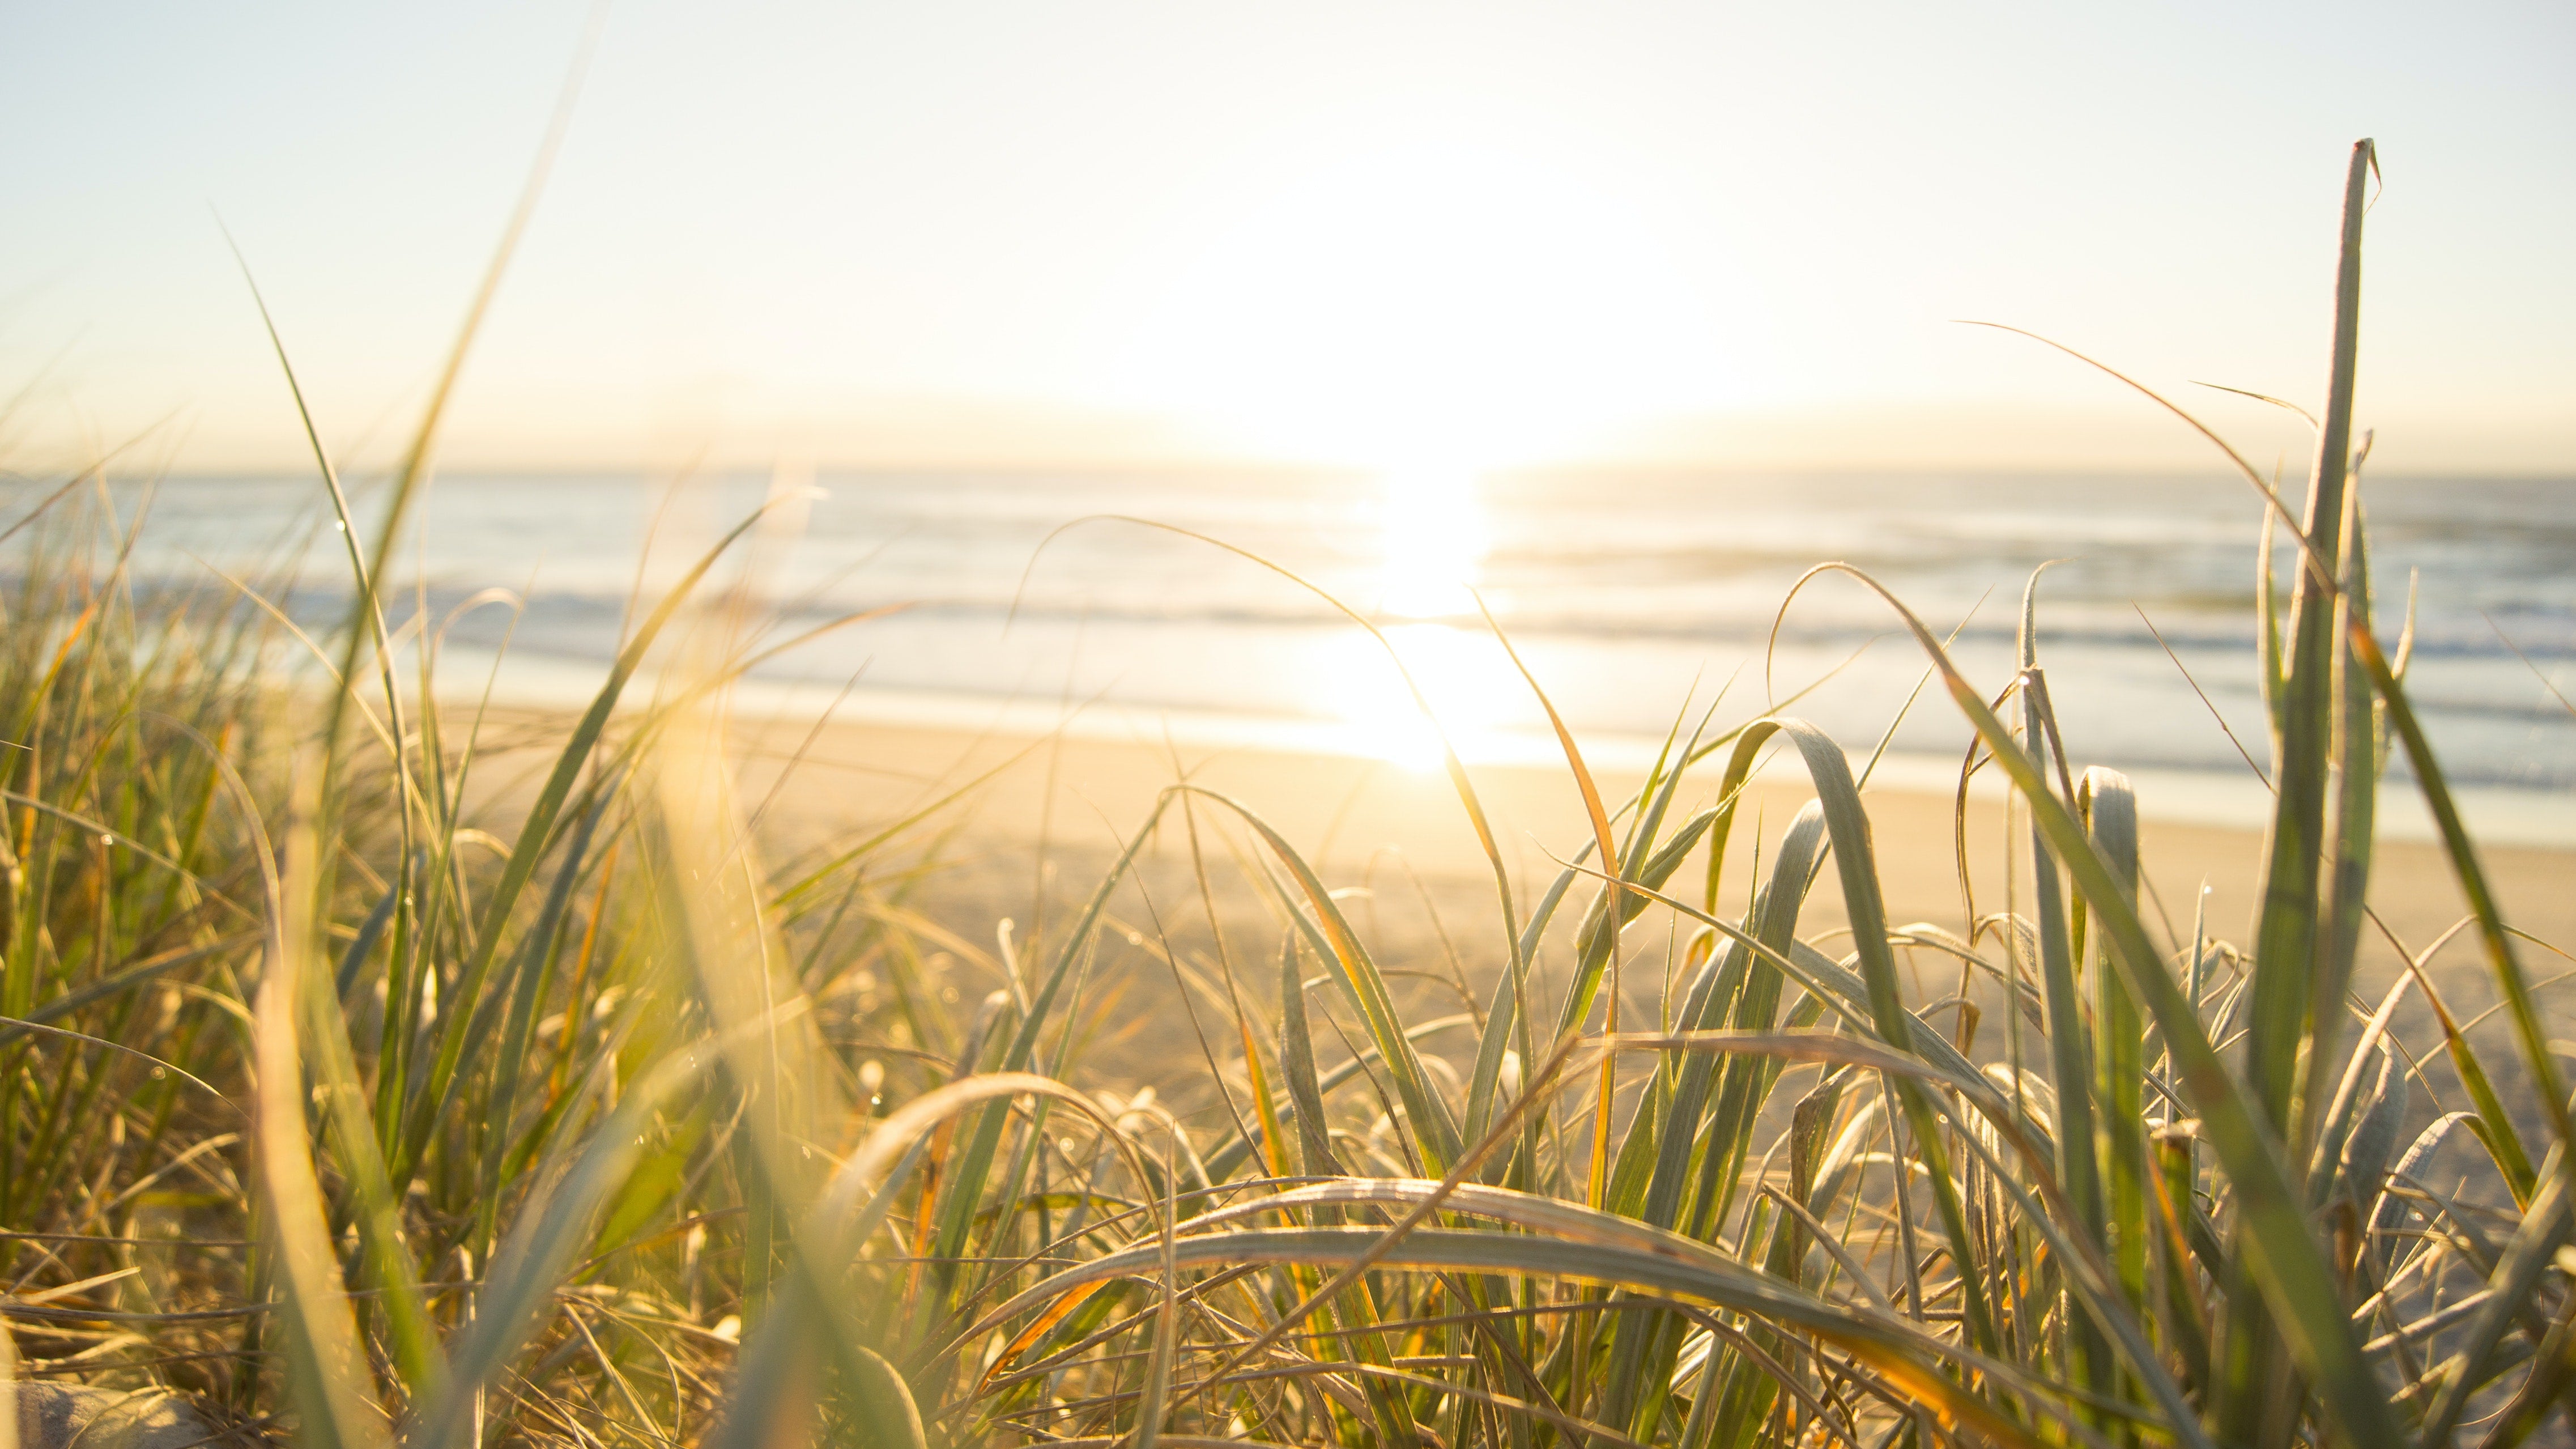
[
  {"x": 1054, "y": 809},
  {"x": 1021, "y": 829},
  {"x": 1078, "y": 794}
]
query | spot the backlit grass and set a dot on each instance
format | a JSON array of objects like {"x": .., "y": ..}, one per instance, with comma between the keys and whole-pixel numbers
[{"x": 364, "y": 1101}]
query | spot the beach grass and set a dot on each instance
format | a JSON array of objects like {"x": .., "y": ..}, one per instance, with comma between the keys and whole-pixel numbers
[{"x": 362, "y": 1099}]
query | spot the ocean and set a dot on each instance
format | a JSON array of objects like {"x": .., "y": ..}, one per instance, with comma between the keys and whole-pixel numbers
[{"x": 1644, "y": 603}]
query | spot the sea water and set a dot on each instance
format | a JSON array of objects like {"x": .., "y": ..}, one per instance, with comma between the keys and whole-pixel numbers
[{"x": 1643, "y": 603}]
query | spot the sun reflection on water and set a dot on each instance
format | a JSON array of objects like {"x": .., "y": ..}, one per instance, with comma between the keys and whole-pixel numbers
[{"x": 1433, "y": 540}]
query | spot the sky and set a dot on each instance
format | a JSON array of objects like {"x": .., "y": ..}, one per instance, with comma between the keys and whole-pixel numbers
[{"x": 1395, "y": 233}]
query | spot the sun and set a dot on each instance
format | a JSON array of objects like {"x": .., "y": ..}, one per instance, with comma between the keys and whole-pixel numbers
[{"x": 1451, "y": 300}]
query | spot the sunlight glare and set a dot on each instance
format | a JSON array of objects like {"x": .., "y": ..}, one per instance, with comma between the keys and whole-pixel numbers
[
  {"x": 1461, "y": 673},
  {"x": 1434, "y": 539},
  {"x": 1411, "y": 292}
]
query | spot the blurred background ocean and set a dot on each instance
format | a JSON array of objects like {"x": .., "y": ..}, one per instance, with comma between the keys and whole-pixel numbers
[{"x": 1640, "y": 600}]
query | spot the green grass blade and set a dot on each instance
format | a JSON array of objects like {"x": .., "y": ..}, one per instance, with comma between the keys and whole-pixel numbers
[
  {"x": 2288, "y": 1267},
  {"x": 2359, "y": 747},
  {"x": 1297, "y": 1064},
  {"x": 524, "y": 984},
  {"x": 2110, "y": 809},
  {"x": 1848, "y": 827},
  {"x": 2278, "y": 1019},
  {"x": 2069, "y": 1034}
]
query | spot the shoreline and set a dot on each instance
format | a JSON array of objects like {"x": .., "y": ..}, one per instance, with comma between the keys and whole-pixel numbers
[{"x": 2235, "y": 800}]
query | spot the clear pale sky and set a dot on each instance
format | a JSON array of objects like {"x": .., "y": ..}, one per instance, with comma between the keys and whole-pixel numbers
[{"x": 1094, "y": 231}]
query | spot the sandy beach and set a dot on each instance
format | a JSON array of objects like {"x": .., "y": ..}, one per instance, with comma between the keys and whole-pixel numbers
[{"x": 1039, "y": 818}]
